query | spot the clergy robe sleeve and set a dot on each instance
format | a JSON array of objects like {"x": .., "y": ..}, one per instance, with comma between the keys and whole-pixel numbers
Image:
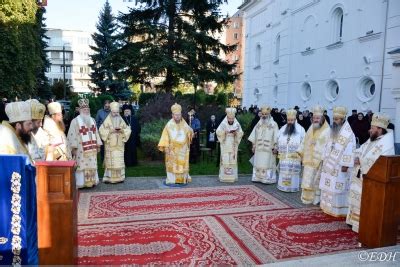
[
  {"x": 126, "y": 131},
  {"x": 347, "y": 158},
  {"x": 221, "y": 133},
  {"x": 239, "y": 135},
  {"x": 275, "y": 138},
  {"x": 252, "y": 137},
  {"x": 104, "y": 132},
  {"x": 164, "y": 140},
  {"x": 300, "y": 149},
  {"x": 73, "y": 135}
]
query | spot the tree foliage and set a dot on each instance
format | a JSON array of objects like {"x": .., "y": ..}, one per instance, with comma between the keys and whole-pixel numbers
[
  {"x": 42, "y": 82},
  {"x": 106, "y": 43},
  {"x": 175, "y": 40},
  {"x": 57, "y": 90},
  {"x": 20, "y": 48}
]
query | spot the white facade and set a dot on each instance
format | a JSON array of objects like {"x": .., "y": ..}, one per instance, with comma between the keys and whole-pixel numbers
[
  {"x": 74, "y": 46},
  {"x": 327, "y": 52}
]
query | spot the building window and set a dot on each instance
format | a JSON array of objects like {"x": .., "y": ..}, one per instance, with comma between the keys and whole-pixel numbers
[
  {"x": 306, "y": 91},
  {"x": 236, "y": 57},
  {"x": 277, "y": 47},
  {"x": 332, "y": 90},
  {"x": 257, "y": 61},
  {"x": 337, "y": 24},
  {"x": 235, "y": 36},
  {"x": 236, "y": 25},
  {"x": 366, "y": 89},
  {"x": 55, "y": 55}
]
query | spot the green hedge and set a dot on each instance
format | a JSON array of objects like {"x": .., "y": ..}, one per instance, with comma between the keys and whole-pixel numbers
[{"x": 150, "y": 136}]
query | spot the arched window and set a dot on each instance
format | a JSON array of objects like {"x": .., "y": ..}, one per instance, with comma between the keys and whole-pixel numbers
[
  {"x": 305, "y": 91},
  {"x": 277, "y": 47},
  {"x": 332, "y": 90},
  {"x": 366, "y": 89},
  {"x": 257, "y": 61},
  {"x": 337, "y": 24}
]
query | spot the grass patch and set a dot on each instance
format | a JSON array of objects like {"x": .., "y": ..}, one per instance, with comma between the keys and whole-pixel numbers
[{"x": 202, "y": 167}]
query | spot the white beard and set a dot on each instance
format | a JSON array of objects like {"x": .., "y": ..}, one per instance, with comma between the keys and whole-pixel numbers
[
  {"x": 116, "y": 121},
  {"x": 87, "y": 120}
]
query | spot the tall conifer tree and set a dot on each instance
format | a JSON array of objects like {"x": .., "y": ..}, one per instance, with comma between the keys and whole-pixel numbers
[
  {"x": 176, "y": 40},
  {"x": 42, "y": 82},
  {"x": 106, "y": 43}
]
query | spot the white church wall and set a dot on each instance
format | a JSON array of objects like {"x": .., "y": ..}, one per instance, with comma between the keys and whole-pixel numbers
[{"x": 308, "y": 54}]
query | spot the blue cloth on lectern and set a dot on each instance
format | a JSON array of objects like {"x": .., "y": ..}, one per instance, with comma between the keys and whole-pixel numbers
[{"x": 18, "y": 218}]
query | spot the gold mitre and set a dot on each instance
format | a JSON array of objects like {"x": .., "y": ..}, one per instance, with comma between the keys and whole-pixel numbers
[
  {"x": 18, "y": 112},
  {"x": 176, "y": 109},
  {"x": 83, "y": 103},
  {"x": 318, "y": 110},
  {"x": 380, "y": 120},
  {"x": 54, "y": 107},
  {"x": 37, "y": 109},
  {"x": 291, "y": 114},
  {"x": 114, "y": 106},
  {"x": 339, "y": 112},
  {"x": 266, "y": 110},
  {"x": 230, "y": 112}
]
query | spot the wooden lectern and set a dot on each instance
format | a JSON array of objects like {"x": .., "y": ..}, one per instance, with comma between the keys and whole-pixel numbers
[
  {"x": 380, "y": 203},
  {"x": 57, "y": 212}
]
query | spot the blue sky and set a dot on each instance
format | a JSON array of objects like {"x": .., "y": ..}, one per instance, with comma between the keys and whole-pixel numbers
[{"x": 83, "y": 14}]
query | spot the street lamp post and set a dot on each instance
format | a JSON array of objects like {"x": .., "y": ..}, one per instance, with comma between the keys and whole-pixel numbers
[{"x": 65, "y": 87}]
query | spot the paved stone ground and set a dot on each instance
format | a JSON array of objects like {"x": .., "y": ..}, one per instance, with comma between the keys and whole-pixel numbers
[
  {"x": 146, "y": 183},
  {"x": 387, "y": 256}
]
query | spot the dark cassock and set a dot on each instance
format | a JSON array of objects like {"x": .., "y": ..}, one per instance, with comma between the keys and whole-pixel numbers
[
  {"x": 211, "y": 135},
  {"x": 194, "y": 123},
  {"x": 130, "y": 154}
]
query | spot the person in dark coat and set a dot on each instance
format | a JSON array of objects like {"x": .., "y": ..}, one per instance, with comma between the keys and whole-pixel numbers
[
  {"x": 130, "y": 154},
  {"x": 353, "y": 116},
  {"x": 360, "y": 129},
  {"x": 211, "y": 128},
  {"x": 3, "y": 115},
  {"x": 195, "y": 124},
  {"x": 306, "y": 123},
  {"x": 328, "y": 120}
]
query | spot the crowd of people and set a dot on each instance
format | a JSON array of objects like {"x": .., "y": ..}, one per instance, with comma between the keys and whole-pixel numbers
[
  {"x": 325, "y": 162},
  {"x": 39, "y": 131},
  {"x": 295, "y": 150}
]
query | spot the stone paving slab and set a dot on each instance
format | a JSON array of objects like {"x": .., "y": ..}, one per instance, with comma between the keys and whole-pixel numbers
[{"x": 387, "y": 256}]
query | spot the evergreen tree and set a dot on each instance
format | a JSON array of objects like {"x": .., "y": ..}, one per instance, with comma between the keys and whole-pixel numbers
[
  {"x": 106, "y": 43},
  {"x": 42, "y": 83},
  {"x": 19, "y": 48},
  {"x": 174, "y": 39}
]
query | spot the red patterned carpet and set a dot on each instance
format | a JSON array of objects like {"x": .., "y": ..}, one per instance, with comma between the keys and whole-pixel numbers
[
  {"x": 228, "y": 225},
  {"x": 108, "y": 207}
]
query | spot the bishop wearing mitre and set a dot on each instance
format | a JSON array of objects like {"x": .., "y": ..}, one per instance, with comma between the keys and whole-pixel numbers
[
  {"x": 175, "y": 143},
  {"x": 115, "y": 133},
  {"x": 229, "y": 134},
  {"x": 84, "y": 141}
]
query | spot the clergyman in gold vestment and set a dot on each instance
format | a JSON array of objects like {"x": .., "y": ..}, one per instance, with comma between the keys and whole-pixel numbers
[{"x": 175, "y": 143}]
